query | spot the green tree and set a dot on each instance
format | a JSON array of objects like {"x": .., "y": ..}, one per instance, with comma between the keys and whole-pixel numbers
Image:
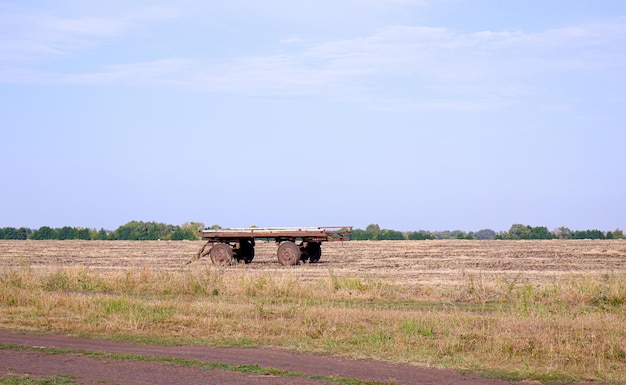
[
  {"x": 485, "y": 234},
  {"x": 391, "y": 235},
  {"x": 359, "y": 235},
  {"x": 589, "y": 234},
  {"x": 518, "y": 231},
  {"x": 180, "y": 234},
  {"x": 446, "y": 234},
  {"x": 101, "y": 235},
  {"x": 84, "y": 234},
  {"x": 419, "y": 235},
  {"x": 563, "y": 233},
  {"x": 23, "y": 233},
  {"x": 143, "y": 231},
  {"x": 44, "y": 232},
  {"x": 67, "y": 232},
  {"x": 540, "y": 232},
  {"x": 13, "y": 233},
  {"x": 373, "y": 231},
  {"x": 192, "y": 228}
]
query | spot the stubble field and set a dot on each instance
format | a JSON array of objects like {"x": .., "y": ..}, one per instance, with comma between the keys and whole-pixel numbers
[
  {"x": 436, "y": 263},
  {"x": 550, "y": 311}
]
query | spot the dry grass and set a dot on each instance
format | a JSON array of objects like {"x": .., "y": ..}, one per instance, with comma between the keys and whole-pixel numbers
[{"x": 539, "y": 320}]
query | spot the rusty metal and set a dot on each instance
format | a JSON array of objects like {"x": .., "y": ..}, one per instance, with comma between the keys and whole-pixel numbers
[
  {"x": 321, "y": 233},
  {"x": 241, "y": 242}
]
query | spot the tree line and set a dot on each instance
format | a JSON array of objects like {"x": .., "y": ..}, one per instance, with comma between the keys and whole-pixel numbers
[
  {"x": 517, "y": 231},
  {"x": 373, "y": 232},
  {"x": 146, "y": 231},
  {"x": 134, "y": 230}
]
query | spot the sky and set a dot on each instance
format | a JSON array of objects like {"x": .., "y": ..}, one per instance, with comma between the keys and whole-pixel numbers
[{"x": 410, "y": 114}]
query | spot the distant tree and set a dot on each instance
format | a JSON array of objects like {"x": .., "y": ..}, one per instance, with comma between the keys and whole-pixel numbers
[
  {"x": 454, "y": 234},
  {"x": 540, "y": 232},
  {"x": 358, "y": 235},
  {"x": 485, "y": 234},
  {"x": 67, "y": 232},
  {"x": 101, "y": 235},
  {"x": 618, "y": 234},
  {"x": 137, "y": 231},
  {"x": 518, "y": 231},
  {"x": 391, "y": 235},
  {"x": 419, "y": 235},
  {"x": 13, "y": 233},
  {"x": 21, "y": 233},
  {"x": 589, "y": 234},
  {"x": 373, "y": 231},
  {"x": 179, "y": 234},
  {"x": 596, "y": 234},
  {"x": 361, "y": 235},
  {"x": 192, "y": 228},
  {"x": 44, "y": 232},
  {"x": 84, "y": 234},
  {"x": 563, "y": 233},
  {"x": 444, "y": 234}
]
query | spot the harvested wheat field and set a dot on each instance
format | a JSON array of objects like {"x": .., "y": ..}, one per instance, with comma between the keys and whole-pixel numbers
[
  {"x": 547, "y": 311},
  {"x": 439, "y": 263}
]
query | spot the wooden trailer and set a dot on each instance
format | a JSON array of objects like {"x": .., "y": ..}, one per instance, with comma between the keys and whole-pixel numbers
[{"x": 295, "y": 244}]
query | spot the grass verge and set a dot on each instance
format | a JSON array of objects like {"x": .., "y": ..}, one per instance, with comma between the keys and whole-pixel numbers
[{"x": 562, "y": 331}]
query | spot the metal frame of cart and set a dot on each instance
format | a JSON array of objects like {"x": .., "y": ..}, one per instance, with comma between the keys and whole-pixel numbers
[{"x": 295, "y": 244}]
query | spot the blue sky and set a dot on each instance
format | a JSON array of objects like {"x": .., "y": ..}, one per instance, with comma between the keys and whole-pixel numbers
[{"x": 412, "y": 114}]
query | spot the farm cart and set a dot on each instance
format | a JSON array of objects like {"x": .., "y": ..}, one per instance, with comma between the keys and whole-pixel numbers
[{"x": 295, "y": 244}]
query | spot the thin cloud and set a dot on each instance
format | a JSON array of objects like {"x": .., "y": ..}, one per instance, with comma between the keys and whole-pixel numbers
[
  {"x": 433, "y": 68},
  {"x": 26, "y": 36}
]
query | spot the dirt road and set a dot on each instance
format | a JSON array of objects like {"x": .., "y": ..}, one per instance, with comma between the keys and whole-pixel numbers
[{"x": 89, "y": 370}]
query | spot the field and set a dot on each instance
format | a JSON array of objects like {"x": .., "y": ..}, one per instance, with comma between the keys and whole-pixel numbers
[
  {"x": 436, "y": 263},
  {"x": 540, "y": 310}
]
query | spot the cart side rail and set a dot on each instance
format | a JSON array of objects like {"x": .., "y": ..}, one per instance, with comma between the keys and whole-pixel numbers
[{"x": 327, "y": 233}]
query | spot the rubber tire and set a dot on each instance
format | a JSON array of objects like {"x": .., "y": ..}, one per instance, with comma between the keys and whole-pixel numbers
[
  {"x": 288, "y": 253},
  {"x": 221, "y": 254},
  {"x": 245, "y": 252},
  {"x": 314, "y": 249}
]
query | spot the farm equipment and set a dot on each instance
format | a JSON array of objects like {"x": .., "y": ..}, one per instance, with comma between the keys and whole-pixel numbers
[{"x": 295, "y": 244}]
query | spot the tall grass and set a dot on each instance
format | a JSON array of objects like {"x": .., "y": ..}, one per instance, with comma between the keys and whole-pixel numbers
[{"x": 568, "y": 330}]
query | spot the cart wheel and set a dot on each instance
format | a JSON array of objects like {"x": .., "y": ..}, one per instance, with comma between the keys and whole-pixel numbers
[
  {"x": 288, "y": 253},
  {"x": 314, "y": 249},
  {"x": 221, "y": 254}
]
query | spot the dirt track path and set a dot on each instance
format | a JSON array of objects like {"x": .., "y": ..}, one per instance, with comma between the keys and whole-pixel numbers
[{"x": 91, "y": 370}]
